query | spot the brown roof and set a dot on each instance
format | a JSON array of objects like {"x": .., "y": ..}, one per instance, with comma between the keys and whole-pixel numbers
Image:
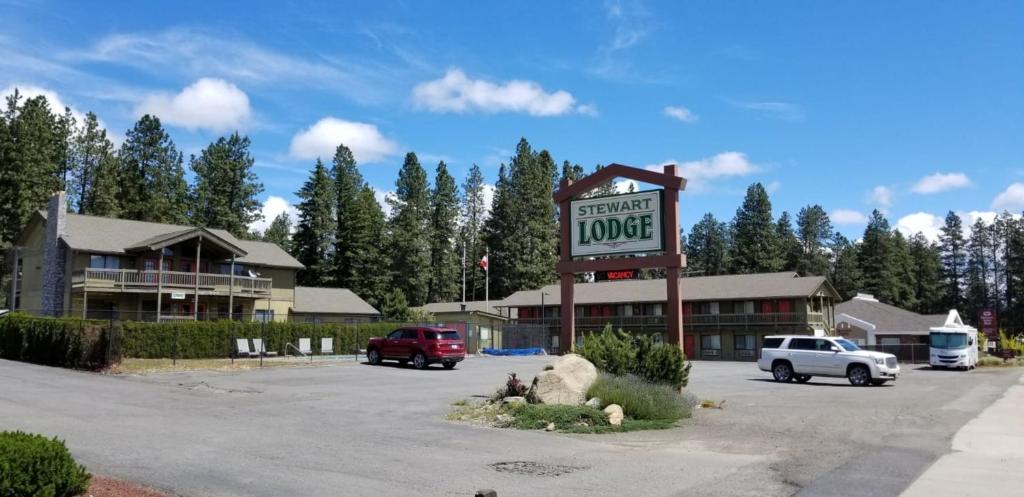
[
  {"x": 730, "y": 287},
  {"x": 888, "y": 319},
  {"x": 453, "y": 307},
  {"x": 114, "y": 236},
  {"x": 316, "y": 300}
]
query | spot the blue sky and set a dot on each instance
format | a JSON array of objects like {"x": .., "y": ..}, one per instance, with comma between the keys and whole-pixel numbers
[{"x": 914, "y": 108}]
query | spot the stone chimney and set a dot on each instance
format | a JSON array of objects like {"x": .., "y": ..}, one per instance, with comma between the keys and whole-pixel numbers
[{"x": 54, "y": 255}]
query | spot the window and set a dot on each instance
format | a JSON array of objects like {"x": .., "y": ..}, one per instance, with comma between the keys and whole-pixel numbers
[
  {"x": 890, "y": 341},
  {"x": 264, "y": 315},
  {"x": 727, "y": 307},
  {"x": 772, "y": 343},
  {"x": 441, "y": 335},
  {"x": 168, "y": 252},
  {"x": 714, "y": 308},
  {"x": 410, "y": 335},
  {"x": 225, "y": 268},
  {"x": 626, "y": 310},
  {"x": 395, "y": 335},
  {"x": 655, "y": 309},
  {"x": 748, "y": 307},
  {"x": 816, "y": 344},
  {"x": 745, "y": 342},
  {"x": 104, "y": 262},
  {"x": 711, "y": 345}
]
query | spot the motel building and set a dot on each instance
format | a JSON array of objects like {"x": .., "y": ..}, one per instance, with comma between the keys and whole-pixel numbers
[{"x": 724, "y": 317}]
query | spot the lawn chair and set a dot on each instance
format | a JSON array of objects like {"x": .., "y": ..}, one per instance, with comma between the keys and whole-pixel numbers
[
  {"x": 304, "y": 347},
  {"x": 327, "y": 346},
  {"x": 261, "y": 349},
  {"x": 242, "y": 346}
]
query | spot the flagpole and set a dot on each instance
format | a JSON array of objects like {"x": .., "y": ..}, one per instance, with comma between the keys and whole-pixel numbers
[
  {"x": 463, "y": 273},
  {"x": 487, "y": 280}
]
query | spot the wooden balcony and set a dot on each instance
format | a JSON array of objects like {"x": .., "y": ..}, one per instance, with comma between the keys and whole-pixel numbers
[{"x": 132, "y": 281}]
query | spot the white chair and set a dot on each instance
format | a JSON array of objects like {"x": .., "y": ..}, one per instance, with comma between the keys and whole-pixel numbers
[
  {"x": 304, "y": 347},
  {"x": 327, "y": 346},
  {"x": 242, "y": 345},
  {"x": 261, "y": 349}
]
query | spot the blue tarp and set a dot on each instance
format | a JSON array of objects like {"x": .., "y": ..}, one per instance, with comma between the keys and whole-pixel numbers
[{"x": 533, "y": 351}]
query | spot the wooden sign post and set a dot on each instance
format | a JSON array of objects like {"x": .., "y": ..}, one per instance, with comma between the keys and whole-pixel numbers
[{"x": 669, "y": 257}]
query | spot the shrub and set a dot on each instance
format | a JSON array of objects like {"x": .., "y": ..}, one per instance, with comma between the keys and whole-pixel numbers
[
  {"x": 33, "y": 465},
  {"x": 537, "y": 416},
  {"x": 66, "y": 342},
  {"x": 640, "y": 399},
  {"x": 619, "y": 353}
]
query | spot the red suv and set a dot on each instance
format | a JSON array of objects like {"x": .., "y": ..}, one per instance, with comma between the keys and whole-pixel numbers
[{"x": 421, "y": 346}]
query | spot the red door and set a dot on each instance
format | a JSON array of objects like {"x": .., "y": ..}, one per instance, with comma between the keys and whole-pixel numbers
[{"x": 688, "y": 346}]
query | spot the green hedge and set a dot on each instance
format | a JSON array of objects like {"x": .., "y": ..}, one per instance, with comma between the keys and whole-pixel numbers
[
  {"x": 639, "y": 398},
  {"x": 619, "y": 353},
  {"x": 73, "y": 343},
  {"x": 83, "y": 344},
  {"x": 35, "y": 466}
]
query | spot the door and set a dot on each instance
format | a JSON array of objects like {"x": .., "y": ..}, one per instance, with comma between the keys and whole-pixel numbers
[
  {"x": 390, "y": 344},
  {"x": 829, "y": 361},
  {"x": 688, "y": 347},
  {"x": 802, "y": 353},
  {"x": 409, "y": 343}
]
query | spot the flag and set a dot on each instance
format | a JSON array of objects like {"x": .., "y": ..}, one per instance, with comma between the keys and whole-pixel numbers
[{"x": 483, "y": 263}]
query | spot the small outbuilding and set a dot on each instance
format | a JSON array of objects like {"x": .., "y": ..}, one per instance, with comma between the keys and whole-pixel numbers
[
  {"x": 866, "y": 321},
  {"x": 331, "y": 305}
]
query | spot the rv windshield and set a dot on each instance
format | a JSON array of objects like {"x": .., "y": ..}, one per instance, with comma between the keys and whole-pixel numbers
[{"x": 948, "y": 340}]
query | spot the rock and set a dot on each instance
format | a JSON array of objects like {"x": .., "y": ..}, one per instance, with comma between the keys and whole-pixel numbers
[
  {"x": 550, "y": 427},
  {"x": 503, "y": 419},
  {"x": 615, "y": 414},
  {"x": 594, "y": 402},
  {"x": 567, "y": 380},
  {"x": 513, "y": 400}
]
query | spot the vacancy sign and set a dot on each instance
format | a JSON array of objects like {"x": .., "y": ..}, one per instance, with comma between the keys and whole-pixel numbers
[{"x": 618, "y": 224}]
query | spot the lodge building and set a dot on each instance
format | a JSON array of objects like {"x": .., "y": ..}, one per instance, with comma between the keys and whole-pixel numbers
[{"x": 724, "y": 317}]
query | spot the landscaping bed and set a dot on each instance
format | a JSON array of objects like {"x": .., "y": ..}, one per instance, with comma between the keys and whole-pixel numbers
[{"x": 105, "y": 486}]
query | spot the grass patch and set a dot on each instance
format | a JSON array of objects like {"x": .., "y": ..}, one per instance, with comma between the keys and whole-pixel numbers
[
  {"x": 537, "y": 416},
  {"x": 999, "y": 362},
  {"x": 639, "y": 399},
  {"x": 627, "y": 425}
]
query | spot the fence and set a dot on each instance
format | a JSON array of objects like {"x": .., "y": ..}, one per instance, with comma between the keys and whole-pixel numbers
[{"x": 914, "y": 353}]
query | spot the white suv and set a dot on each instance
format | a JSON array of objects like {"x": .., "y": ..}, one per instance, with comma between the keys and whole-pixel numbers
[{"x": 799, "y": 357}]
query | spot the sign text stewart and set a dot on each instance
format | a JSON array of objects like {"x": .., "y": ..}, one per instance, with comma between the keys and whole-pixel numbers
[{"x": 618, "y": 224}]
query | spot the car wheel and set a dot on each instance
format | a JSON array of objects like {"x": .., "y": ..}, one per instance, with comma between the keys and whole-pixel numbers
[
  {"x": 449, "y": 365},
  {"x": 782, "y": 372},
  {"x": 373, "y": 356},
  {"x": 859, "y": 376},
  {"x": 878, "y": 383},
  {"x": 419, "y": 361},
  {"x": 803, "y": 378}
]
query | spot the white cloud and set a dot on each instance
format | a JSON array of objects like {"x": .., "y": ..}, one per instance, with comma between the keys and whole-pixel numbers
[
  {"x": 1011, "y": 198},
  {"x": 778, "y": 110},
  {"x": 941, "y": 182},
  {"x": 847, "y": 216},
  {"x": 921, "y": 222},
  {"x": 322, "y": 138},
  {"x": 699, "y": 173},
  {"x": 488, "y": 197},
  {"x": 880, "y": 196},
  {"x": 209, "y": 103},
  {"x": 773, "y": 186},
  {"x": 272, "y": 207},
  {"x": 57, "y": 106},
  {"x": 455, "y": 92},
  {"x": 382, "y": 197},
  {"x": 680, "y": 113}
]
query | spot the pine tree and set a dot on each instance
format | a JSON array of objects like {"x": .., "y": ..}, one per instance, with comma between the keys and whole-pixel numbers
[
  {"x": 927, "y": 270},
  {"x": 410, "y": 232},
  {"x": 706, "y": 248},
  {"x": 311, "y": 244},
  {"x": 29, "y": 170},
  {"x": 878, "y": 260},
  {"x": 474, "y": 212},
  {"x": 444, "y": 264},
  {"x": 348, "y": 183},
  {"x": 225, "y": 195},
  {"x": 903, "y": 294},
  {"x": 91, "y": 154},
  {"x": 1014, "y": 319},
  {"x": 845, "y": 273},
  {"x": 279, "y": 232},
  {"x": 606, "y": 188},
  {"x": 106, "y": 186},
  {"x": 813, "y": 228},
  {"x": 64, "y": 141},
  {"x": 978, "y": 269},
  {"x": 789, "y": 246},
  {"x": 755, "y": 248},
  {"x": 499, "y": 232},
  {"x": 954, "y": 260},
  {"x": 153, "y": 186},
  {"x": 368, "y": 264},
  {"x": 531, "y": 177}
]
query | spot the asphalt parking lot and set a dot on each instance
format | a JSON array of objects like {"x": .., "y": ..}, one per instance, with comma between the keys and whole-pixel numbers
[{"x": 352, "y": 429}]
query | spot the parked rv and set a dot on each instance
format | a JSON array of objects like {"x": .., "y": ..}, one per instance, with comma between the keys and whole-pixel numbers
[{"x": 953, "y": 345}]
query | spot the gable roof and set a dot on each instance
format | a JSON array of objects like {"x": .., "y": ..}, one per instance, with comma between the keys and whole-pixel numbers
[
  {"x": 728, "y": 287},
  {"x": 315, "y": 300},
  {"x": 887, "y": 319},
  {"x": 167, "y": 239},
  {"x": 453, "y": 307},
  {"x": 116, "y": 236}
]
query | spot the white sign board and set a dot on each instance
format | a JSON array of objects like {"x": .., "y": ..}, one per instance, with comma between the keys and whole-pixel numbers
[
  {"x": 178, "y": 296},
  {"x": 617, "y": 224}
]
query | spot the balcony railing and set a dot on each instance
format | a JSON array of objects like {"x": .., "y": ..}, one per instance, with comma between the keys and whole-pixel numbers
[
  {"x": 129, "y": 280},
  {"x": 699, "y": 321}
]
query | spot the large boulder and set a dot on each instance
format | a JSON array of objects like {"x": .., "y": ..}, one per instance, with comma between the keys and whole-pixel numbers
[
  {"x": 615, "y": 414},
  {"x": 566, "y": 380}
]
